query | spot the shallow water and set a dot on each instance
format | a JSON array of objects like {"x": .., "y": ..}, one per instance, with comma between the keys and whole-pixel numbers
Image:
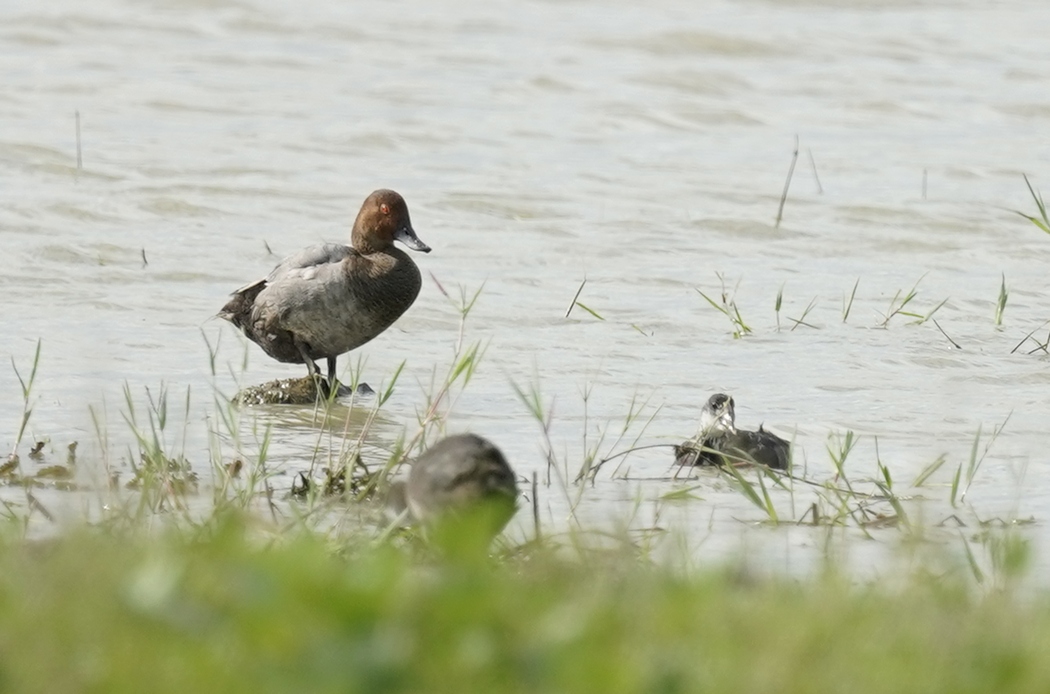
[{"x": 642, "y": 147}]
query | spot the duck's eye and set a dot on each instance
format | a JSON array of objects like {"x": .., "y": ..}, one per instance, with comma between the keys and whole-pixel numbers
[{"x": 384, "y": 208}]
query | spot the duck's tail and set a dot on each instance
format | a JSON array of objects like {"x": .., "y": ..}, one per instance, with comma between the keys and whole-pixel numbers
[{"x": 239, "y": 308}]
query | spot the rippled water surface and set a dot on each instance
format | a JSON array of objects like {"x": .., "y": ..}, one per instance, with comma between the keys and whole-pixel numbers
[{"x": 642, "y": 147}]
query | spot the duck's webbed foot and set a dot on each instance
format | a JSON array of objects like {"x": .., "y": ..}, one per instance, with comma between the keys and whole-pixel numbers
[{"x": 334, "y": 386}]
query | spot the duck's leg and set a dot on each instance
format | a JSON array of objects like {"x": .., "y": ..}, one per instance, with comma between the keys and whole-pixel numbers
[
  {"x": 333, "y": 384},
  {"x": 311, "y": 367}
]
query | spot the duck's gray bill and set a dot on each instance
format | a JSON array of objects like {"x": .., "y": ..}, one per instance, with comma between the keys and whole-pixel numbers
[{"x": 407, "y": 236}]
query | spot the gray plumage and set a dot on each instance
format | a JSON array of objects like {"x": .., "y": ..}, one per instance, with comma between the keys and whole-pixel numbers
[{"x": 459, "y": 473}]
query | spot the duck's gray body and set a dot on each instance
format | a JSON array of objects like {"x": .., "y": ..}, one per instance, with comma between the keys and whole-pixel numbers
[
  {"x": 762, "y": 447},
  {"x": 329, "y": 298},
  {"x": 458, "y": 473}
]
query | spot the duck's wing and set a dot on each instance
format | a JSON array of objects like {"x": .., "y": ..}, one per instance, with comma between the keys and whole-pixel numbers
[
  {"x": 781, "y": 448},
  {"x": 311, "y": 256},
  {"x": 763, "y": 447}
]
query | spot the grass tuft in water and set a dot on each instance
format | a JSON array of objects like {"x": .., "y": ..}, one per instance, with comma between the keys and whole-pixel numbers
[
  {"x": 802, "y": 320},
  {"x": 728, "y": 308},
  {"x": 960, "y": 482},
  {"x": 928, "y": 471},
  {"x": 576, "y": 302},
  {"x": 26, "y": 385},
  {"x": 847, "y": 305},
  {"x": 1039, "y": 346},
  {"x": 897, "y": 307},
  {"x": 1000, "y": 305},
  {"x": 899, "y": 303},
  {"x": 797, "y": 321},
  {"x": 776, "y": 306},
  {"x": 787, "y": 185},
  {"x": 1042, "y": 221}
]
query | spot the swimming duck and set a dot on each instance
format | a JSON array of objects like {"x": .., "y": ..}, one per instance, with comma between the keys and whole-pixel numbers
[
  {"x": 328, "y": 299},
  {"x": 461, "y": 474},
  {"x": 719, "y": 441}
]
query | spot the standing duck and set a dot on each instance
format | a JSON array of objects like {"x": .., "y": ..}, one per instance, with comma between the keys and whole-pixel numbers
[
  {"x": 328, "y": 299},
  {"x": 719, "y": 442}
]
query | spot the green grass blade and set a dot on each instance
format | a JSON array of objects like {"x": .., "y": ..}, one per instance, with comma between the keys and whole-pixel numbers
[
  {"x": 1000, "y": 306},
  {"x": 746, "y": 487},
  {"x": 389, "y": 390},
  {"x": 975, "y": 568},
  {"x": 684, "y": 494},
  {"x": 955, "y": 483},
  {"x": 849, "y": 304},
  {"x": 711, "y": 301},
  {"x": 589, "y": 310},
  {"x": 929, "y": 470},
  {"x": 769, "y": 508}
]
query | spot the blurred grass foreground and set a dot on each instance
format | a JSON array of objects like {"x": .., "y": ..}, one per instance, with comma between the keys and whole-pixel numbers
[{"x": 221, "y": 611}]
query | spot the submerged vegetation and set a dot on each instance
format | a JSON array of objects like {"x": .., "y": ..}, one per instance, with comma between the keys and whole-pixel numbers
[{"x": 727, "y": 307}]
